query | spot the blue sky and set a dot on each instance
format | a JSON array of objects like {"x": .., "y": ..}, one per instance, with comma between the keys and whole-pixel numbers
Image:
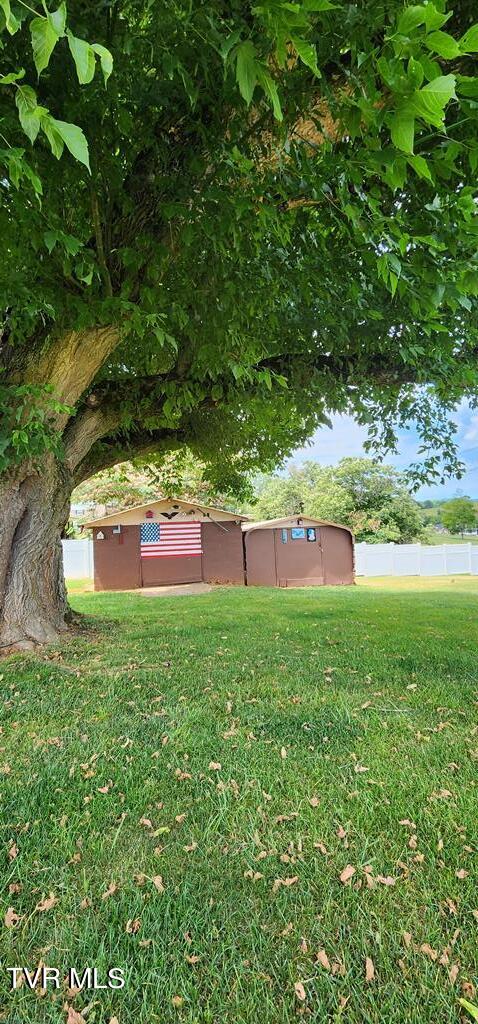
[{"x": 346, "y": 438}]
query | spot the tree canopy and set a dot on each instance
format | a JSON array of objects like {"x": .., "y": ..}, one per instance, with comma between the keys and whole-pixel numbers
[
  {"x": 371, "y": 499},
  {"x": 274, "y": 219},
  {"x": 458, "y": 515}
]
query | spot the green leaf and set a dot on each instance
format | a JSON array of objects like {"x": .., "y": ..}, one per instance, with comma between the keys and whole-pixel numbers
[
  {"x": 246, "y": 70},
  {"x": 430, "y": 102},
  {"x": 411, "y": 18},
  {"x": 421, "y": 167},
  {"x": 421, "y": 14},
  {"x": 44, "y": 40},
  {"x": 318, "y": 5},
  {"x": 53, "y": 136},
  {"x": 307, "y": 53},
  {"x": 106, "y": 59},
  {"x": 83, "y": 57},
  {"x": 230, "y": 42},
  {"x": 74, "y": 140},
  {"x": 58, "y": 19},
  {"x": 472, "y": 1009},
  {"x": 402, "y": 128},
  {"x": 13, "y": 76},
  {"x": 270, "y": 90},
  {"x": 11, "y": 21},
  {"x": 28, "y": 111},
  {"x": 469, "y": 42},
  {"x": 443, "y": 44},
  {"x": 415, "y": 73}
]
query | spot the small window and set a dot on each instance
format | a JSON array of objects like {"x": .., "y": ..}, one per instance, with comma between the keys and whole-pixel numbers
[
  {"x": 311, "y": 533},
  {"x": 284, "y": 537},
  {"x": 297, "y": 533},
  {"x": 116, "y": 529}
]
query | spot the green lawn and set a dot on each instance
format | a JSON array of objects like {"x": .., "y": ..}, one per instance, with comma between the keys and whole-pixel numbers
[{"x": 247, "y": 746}]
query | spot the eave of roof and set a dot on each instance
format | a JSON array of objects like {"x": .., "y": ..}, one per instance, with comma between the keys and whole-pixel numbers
[
  {"x": 270, "y": 524},
  {"x": 115, "y": 517}
]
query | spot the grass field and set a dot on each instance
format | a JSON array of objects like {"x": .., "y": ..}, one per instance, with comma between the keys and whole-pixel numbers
[{"x": 187, "y": 785}]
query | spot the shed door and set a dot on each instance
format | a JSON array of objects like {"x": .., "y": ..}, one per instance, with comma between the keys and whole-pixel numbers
[
  {"x": 170, "y": 553},
  {"x": 299, "y": 561}
]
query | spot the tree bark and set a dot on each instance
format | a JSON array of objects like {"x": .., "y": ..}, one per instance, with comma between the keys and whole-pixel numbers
[{"x": 34, "y": 507}]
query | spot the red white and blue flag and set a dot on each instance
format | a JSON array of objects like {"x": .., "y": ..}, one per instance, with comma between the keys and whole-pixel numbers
[{"x": 170, "y": 540}]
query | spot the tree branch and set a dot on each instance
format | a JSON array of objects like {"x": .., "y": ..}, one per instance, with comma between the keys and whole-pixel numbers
[
  {"x": 70, "y": 362},
  {"x": 111, "y": 451},
  {"x": 88, "y": 426}
]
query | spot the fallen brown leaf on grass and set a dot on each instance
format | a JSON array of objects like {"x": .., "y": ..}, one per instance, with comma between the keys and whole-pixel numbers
[
  {"x": 453, "y": 973},
  {"x": 284, "y": 881},
  {"x": 133, "y": 925},
  {"x": 283, "y": 753},
  {"x": 322, "y": 848},
  {"x": 300, "y": 991},
  {"x": 11, "y": 918},
  {"x": 407, "y": 938},
  {"x": 192, "y": 959},
  {"x": 177, "y": 1001},
  {"x": 73, "y": 1017},
  {"x": 347, "y": 873},
  {"x": 323, "y": 959},
  {"x": 429, "y": 951},
  {"x": 254, "y": 875},
  {"x": 215, "y": 766},
  {"x": 369, "y": 969},
  {"x": 47, "y": 903},
  {"x": 314, "y": 801},
  {"x": 12, "y": 852},
  {"x": 110, "y": 891},
  {"x": 462, "y": 873},
  {"x": 85, "y": 903},
  {"x": 158, "y": 883}
]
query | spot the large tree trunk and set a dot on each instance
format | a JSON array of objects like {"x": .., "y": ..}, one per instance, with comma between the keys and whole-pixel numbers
[{"x": 34, "y": 507}]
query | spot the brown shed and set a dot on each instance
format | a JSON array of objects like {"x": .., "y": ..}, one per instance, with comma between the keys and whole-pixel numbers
[
  {"x": 166, "y": 542},
  {"x": 297, "y": 552}
]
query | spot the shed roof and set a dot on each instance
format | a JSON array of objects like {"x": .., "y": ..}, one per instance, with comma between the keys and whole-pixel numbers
[
  {"x": 136, "y": 513},
  {"x": 298, "y": 520}
]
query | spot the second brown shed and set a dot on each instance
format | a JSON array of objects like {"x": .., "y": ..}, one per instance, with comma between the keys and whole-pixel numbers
[{"x": 297, "y": 551}]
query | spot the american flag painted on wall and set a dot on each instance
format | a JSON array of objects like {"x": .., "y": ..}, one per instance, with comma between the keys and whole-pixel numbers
[{"x": 170, "y": 540}]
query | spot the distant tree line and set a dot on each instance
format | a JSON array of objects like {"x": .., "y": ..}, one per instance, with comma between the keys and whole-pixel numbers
[{"x": 371, "y": 498}]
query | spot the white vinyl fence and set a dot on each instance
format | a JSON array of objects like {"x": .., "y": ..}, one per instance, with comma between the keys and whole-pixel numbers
[
  {"x": 415, "y": 559},
  {"x": 370, "y": 559},
  {"x": 78, "y": 559}
]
